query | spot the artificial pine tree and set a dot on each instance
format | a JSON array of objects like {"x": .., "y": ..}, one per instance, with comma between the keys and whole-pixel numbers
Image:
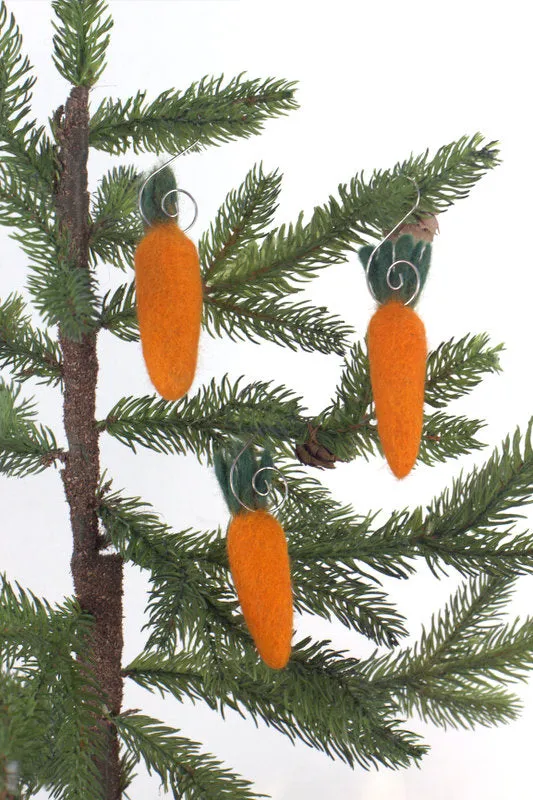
[{"x": 62, "y": 727}]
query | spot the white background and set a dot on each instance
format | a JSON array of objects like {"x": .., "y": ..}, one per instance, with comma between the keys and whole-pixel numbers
[{"x": 376, "y": 82}]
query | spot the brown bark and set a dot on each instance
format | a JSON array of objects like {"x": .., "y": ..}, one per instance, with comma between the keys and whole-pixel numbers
[{"x": 97, "y": 576}]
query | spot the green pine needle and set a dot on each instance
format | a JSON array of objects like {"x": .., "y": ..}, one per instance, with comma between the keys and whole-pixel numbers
[
  {"x": 29, "y": 352},
  {"x": 116, "y": 224},
  {"x": 207, "y": 112},
  {"x": 295, "y": 325},
  {"x": 244, "y": 217},
  {"x": 41, "y": 645},
  {"x": 182, "y": 768},
  {"x": 65, "y": 295},
  {"x": 457, "y": 367},
  {"x": 293, "y": 253},
  {"x": 453, "y": 674},
  {"x": 204, "y": 422},
  {"x": 118, "y": 313},
  {"x": 26, "y": 448},
  {"x": 81, "y": 40}
]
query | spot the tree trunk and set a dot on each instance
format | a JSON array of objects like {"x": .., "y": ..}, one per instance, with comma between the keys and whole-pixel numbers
[{"x": 97, "y": 577}]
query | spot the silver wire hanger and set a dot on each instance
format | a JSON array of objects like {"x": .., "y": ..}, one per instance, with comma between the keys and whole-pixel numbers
[
  {"x": 396, "y": 287},
  {"x": 269, "y": 487},
  {"x": 172, "y": 191}
]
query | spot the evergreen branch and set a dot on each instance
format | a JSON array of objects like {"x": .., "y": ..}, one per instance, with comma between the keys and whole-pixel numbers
[
  {"x": 23, "y": 206},
  {"x": 455, "y": 368},
  {"x": 40, "y": 645},
  {"x": 25, "y": 447},
  {"x": 485, "y": 500},
  {"x": 292, "y": 254},
  {"x": 295, "y": 325},
  {"x": 347, "y": 426},
  {"x": 446, "y": 437},
  {"x": 19, "y": 138},
  {"x": 65, "y": 295},
  {"x": 183, "y": 769},
  {"x": 81, "y": 39},
  {"x": 16, "y": 81},
  {"x": 447, "y": 677},
  {"x": 471, "y": 526},
  {"x": 188, "y": 604},
  {"x": 118, "y": 313},
  {"x": 318, "y": 699},
  {"x": 292, "y": 324},
  {"x": 117, "y": 226},
  {"x": 204, "y": 422},
  {"x": 243, "y": 217},
  {"x": 323, "y": 585},
  {"x": 207, "y": 113},
  {"x": 142, "y": 538},
  {"x": 29, "y": 625},
  {"x": 330, "y": 591},
  {"x": 28, "y": 351}
]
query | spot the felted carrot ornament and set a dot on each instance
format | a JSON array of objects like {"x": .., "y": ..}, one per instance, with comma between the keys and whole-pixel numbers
[
  {"x": 169, "y": 291},
  {"x": 397, "y": 348},
  {"x": 258, "y": 555}
]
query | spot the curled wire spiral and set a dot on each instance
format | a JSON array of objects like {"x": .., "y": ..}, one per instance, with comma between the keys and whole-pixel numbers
[
  {"x": 397, "y": 286},
  {"x": 261, "y": 493},
  {"x": 172, "y": 191}
]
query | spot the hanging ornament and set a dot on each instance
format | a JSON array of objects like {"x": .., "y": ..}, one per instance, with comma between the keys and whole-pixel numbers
[
  {"x": 168, "y": 287},
  {"x": 258, "y": 553},
  {"x": 397, "y": 348}
]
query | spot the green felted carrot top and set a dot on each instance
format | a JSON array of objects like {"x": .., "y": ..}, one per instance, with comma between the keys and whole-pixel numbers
[
  {"x": 405, "y": 248},
  {"x": 246, "y": 466},
  {"x": 153, "y": 193}
]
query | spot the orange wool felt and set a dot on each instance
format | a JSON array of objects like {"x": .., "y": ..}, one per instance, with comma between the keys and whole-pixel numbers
[
  {"x": 397, "y": 352},
  {"x": 169, "y": 307},
  {"x": 259, "y": 563}
]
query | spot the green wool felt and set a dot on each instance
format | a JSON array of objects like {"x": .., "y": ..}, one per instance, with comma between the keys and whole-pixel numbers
[
  {"x": 153, "y": 193},
  {"x": 404, "y": 248},
  {"x": 247, "y": 464}
]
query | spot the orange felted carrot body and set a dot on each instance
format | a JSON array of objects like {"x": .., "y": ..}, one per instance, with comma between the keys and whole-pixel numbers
[
  {"x": 169, "y": 307},
  {"x": 397, "y": 352},
  {"x": 259, "y": 563}
]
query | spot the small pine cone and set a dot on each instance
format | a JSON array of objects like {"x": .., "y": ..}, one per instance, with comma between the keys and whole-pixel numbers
[{"x": 313, "y": 454}]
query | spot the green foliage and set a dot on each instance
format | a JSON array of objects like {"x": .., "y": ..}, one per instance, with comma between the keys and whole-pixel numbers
[
  {"x": 456, "y": 367},
  {"x": 295, "y": 325},
  {"x": 25, "y": 447},
  {"x": 81, "y": 39},
  {"x": 65, "y": 295},
  {"x": 183, "y": 769},
  {"x": 16, "y": 82},
  {"x": 320, "y": 699},
  {"x": 204, "y": 422},
  {"x": 52, "y": 729},
  {"x": 347, "y": 427},
  {"x": 24, "y": 207},
  {"x": 118, "y": 313},
  {"x": 29, "y": 352},
  {"x": 198, "y": 646},
  {"x": 453, "y": 675},
  {"x": 19, "y": 138},
  {"x": 207, "y": 112},
  {"x": 116, "y": 225},
  {"x": 292, "y": 254},
  {"x": 446, "y": 437},
  {"x": 244, "y": 217}
]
